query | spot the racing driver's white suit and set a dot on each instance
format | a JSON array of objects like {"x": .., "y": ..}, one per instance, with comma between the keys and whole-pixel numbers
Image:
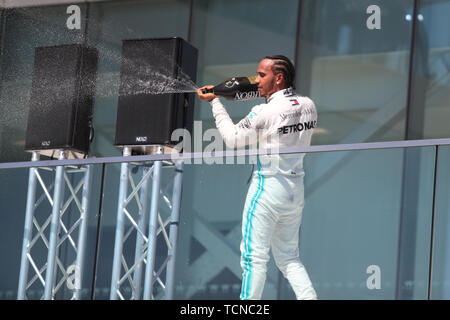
[{"x": 275, "y": 199}]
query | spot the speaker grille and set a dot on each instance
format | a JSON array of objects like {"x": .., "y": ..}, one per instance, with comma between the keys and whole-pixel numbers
[
  {"x": 61, "y": 98},
  {"x": 149, "y": 66}
]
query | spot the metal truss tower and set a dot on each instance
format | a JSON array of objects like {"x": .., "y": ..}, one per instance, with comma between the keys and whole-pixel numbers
[
  {"x": 54, "y": 230},
  {"x": 141, "y": 272}
]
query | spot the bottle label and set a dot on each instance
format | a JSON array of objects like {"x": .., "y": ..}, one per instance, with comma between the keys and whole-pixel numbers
[
  {"x": 231, "y": 83},
  {"x": 247, "y": 95}
]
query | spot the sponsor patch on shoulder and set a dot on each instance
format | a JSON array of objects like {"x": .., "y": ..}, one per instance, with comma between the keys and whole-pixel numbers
[{"x": 294, "y": 102}]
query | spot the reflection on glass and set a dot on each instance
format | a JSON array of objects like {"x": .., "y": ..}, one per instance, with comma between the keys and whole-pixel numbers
[
  {"x": 440, "y": 281},
  {"x": 352, "y": 217},
  {"x": 356, "y": 75},
  {"x": 351, "y": 230},
  {"x": 431, "y": 73}
]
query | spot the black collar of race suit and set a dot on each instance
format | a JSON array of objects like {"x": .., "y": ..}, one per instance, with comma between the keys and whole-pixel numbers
[{"x": 281, "y": 93}]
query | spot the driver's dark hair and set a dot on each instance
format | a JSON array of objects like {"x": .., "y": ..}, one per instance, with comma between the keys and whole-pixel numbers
[{"x": 284, "y": 65}]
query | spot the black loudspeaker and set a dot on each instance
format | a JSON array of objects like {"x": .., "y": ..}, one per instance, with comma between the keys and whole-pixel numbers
[
  {"x": 63, "y": 86},
  {"x": 149, "y": 66}
]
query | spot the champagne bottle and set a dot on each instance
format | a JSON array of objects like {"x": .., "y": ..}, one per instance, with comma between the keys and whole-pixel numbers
[{"x": 236, "y": 88}]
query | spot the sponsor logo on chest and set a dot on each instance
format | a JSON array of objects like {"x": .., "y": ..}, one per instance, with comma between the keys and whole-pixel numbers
[{"x": 297, "y": 127}]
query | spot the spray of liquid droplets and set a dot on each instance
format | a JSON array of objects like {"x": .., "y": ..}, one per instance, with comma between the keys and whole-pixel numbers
[
  {"x": 17, "y": 61},
  {"x": 47, "y": 27},
  {"x": 142, "y": 76},
  {"x": 146, "y": 79}
]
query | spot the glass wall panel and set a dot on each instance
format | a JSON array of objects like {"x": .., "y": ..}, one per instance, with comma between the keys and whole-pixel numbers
[
  {"x": 350, "y": 238},
  {"x": 350, "y": 234},
  {"x": 440, "y": 288},
  {"x": 13, "y": 200},
  {"x": 356, "y": 74},
  {"x": 107, "y": 231},
  {"x": 351, "y": 230},
  {"x": 430, "y": 95},
  {"x": 13, "y": 186}
]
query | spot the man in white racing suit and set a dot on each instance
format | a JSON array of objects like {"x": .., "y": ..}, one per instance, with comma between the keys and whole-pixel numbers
[{"x": 275, "y": 199}]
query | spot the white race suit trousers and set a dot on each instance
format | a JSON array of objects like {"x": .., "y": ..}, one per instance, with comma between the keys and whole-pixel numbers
[{"x": 271, "y": 219}]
